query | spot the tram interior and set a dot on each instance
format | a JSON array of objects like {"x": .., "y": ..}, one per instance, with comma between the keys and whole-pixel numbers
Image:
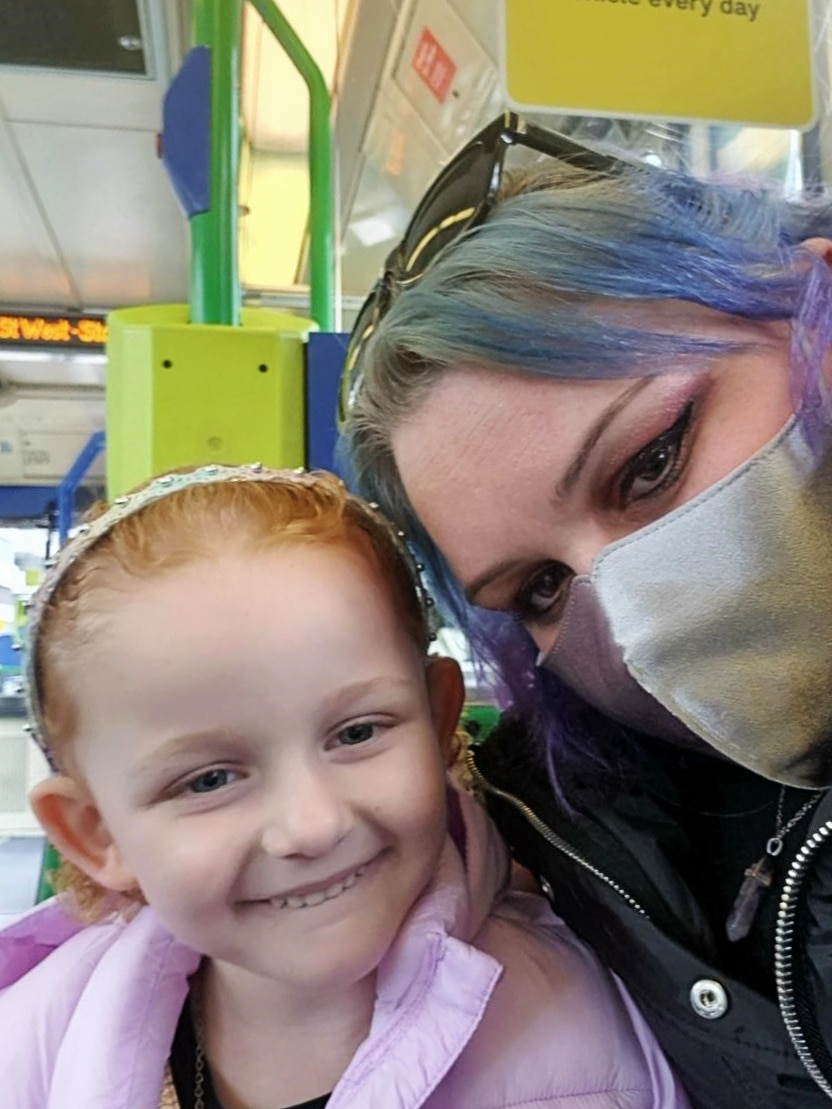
[{"x": 89, "y": 222}]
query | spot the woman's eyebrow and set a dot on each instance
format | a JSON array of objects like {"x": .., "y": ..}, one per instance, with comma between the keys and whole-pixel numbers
[{"x": 577, "y": 464}]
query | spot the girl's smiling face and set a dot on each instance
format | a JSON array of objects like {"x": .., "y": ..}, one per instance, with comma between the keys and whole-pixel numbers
[
  {"x": 265, "y": 750},
  {"x": 522, "y": 481}
]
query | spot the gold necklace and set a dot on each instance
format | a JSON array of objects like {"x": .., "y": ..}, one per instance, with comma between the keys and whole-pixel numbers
[{"x": 759, "y": 876}]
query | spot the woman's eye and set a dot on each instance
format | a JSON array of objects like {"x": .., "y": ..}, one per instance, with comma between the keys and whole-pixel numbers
[
  {"x": 354, "y": 734},
  {"x": 211, "y": 780},
  {"x": 544, "y": 593},
  {"x": 656, "y": 467}
]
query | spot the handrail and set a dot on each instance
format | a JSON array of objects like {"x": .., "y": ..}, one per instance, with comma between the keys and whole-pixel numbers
[
  {"x": 72, "y": 479},
  {"x": 215, "y": 278},
  {"x": 321, "y": 239}
]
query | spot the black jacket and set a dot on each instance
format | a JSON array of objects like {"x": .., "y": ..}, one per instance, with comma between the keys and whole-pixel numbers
[{"x": 609, "y": 862}]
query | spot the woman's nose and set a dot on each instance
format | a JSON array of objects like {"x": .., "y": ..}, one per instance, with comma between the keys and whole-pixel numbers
[
  {"x": 576, "y": 551},
  {"x": 579, "y": 547},
  {"x": 305, "y": 816}
]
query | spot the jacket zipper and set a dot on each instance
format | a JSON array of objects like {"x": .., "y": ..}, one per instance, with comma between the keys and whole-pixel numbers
[
  {"x": 784, "y": 934},
  {"x": 784, "y": 952},
  {"x": 546, "y": 832}
]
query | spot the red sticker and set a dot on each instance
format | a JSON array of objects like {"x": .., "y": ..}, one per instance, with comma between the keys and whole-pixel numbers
[{"x": 434, "y": 66}]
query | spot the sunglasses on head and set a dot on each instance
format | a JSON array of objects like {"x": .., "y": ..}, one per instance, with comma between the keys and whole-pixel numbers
[{"x": 460, "y": 198}]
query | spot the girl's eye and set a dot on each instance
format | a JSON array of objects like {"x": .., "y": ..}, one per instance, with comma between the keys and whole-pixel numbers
[
  {"x": 211, "y": 780},
  {"x": 545, "y": 593},
  {"x": 354, "y": 734},
  {"x": 657, "y": 466}
]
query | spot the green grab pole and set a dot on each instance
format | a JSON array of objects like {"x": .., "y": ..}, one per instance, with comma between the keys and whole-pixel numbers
[
  {"x": 321, "y": 238},
  {"x": 215, "y": 280},
  {"x": 50, "y": 862}
]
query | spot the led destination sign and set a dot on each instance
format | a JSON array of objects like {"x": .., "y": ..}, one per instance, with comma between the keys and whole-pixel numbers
[{"x": 88, "y": 332}]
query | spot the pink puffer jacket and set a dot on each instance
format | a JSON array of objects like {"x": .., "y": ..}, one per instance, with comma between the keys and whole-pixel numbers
[{"x": 485, "y": 1001}]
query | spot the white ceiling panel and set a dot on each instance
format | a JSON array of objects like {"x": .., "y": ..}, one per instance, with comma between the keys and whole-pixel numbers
[
  {"x": 31, "y": 270},
  {"x": 119, "y": 227},
  {"x": 39, "y": 96}
]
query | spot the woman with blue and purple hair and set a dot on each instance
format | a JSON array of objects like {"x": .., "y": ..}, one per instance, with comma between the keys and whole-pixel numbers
[{"x": 596, "y": 395}]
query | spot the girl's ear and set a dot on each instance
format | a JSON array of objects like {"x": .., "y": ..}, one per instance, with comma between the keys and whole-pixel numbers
[
  {"x": 446, "y": 693},
  {"x": 75, "y": 826}
]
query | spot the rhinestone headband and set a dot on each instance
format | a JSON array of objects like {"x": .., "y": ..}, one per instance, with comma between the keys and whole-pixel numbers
[{"x": 88, "y": 534}]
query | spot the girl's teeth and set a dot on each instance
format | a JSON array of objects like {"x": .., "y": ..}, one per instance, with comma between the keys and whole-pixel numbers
[{"x": 311, "y": 899}]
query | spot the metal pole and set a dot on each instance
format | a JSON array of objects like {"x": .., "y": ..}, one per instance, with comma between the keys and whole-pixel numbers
[
  {"x": 74, "y": 476},
  {"x": 321, "y": 237},
  {"x": 215, "y": 281}
]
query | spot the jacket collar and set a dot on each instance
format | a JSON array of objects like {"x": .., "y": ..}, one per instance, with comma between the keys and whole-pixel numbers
[{"x": 433, "y": 986}]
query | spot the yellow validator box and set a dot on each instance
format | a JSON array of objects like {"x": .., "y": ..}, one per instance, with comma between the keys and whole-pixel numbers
[
  {"x": 725, "y": 61},
  {"x": 182, "y": 394}
]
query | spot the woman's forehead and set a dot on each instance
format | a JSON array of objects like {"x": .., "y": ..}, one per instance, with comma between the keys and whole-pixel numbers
[
  {"x": 469, "y": 400},
  {"x": 482, "y": 445},
  {"x": 469, "y": 403}
]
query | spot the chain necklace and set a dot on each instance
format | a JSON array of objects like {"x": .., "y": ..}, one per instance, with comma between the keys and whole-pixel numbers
[
  {"x": 759, "y": 877},
  {"x": 199, "y": 1067}
]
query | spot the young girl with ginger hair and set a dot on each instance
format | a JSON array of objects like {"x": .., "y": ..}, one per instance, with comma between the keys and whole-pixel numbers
[{"x": 281, "y": 896}]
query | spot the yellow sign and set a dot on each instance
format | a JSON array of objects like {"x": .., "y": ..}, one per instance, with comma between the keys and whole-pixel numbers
[
  {"x": 738, "y": 61},
  {"x": 52, "y": 331}
]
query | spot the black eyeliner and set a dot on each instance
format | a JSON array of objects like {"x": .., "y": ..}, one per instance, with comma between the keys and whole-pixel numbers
[{"x": 674, "y": 437}]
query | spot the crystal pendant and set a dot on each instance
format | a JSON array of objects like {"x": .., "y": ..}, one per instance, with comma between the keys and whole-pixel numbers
[{"x": 756, "y": 883}]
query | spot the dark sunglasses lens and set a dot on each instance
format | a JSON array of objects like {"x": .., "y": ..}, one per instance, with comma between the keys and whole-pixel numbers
[
  {"x": 452, "y": 204},
  {"x": 455, "y": 201}
]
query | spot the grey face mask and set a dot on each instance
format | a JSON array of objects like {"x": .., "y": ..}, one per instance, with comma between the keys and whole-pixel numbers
[{"x": 715, "y": 622}]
